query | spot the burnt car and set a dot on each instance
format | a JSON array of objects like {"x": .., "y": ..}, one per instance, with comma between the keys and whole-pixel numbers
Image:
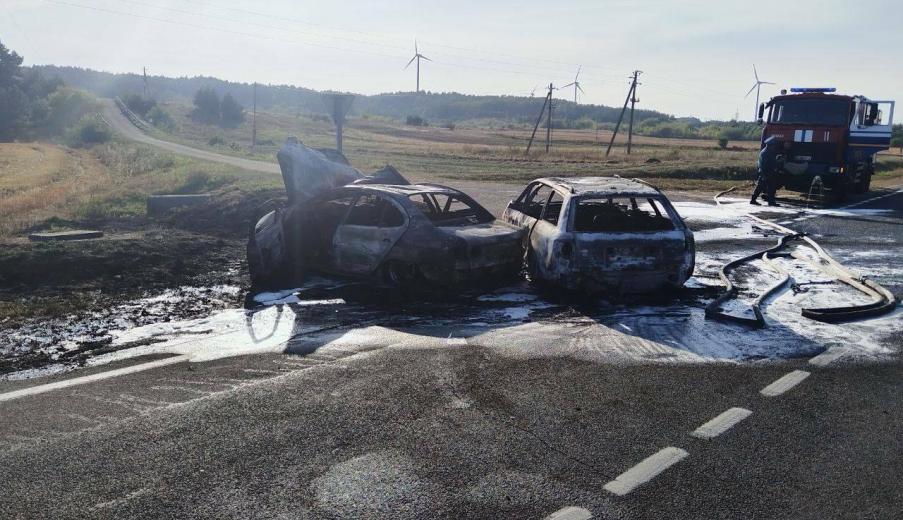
[
  {"x": 398, "y": 233},
  {"x": 602, "y": 233}
]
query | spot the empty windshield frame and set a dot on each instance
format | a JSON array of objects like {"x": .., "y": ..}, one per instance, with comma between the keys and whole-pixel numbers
[{"x": 620, "y": 214}]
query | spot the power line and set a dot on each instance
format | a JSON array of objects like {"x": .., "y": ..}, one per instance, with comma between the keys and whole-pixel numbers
[
  {"x": 343, "y": 38},
  {"x": 512, "y": 67},
  {"x": 530, "y": 60},
  {"x": 213, "y": 28},
  {"x": 278, "y": 39}
]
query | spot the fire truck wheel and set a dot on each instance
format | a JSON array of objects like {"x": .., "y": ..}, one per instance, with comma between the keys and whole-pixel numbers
[{"x": 865, "y": 181}]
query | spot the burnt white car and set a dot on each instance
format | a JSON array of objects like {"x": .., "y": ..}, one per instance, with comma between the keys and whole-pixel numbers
[{"x": 602, "y": 233}]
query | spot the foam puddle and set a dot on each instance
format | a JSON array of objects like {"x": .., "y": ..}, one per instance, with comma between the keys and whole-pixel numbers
[
  {"x": 516, "y": 321},
  {"x": 729, "y": 220}
]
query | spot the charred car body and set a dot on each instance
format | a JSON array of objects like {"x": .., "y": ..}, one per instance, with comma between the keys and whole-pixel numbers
[
  {"x": 602, "y": 233},
  {"x": 341, "y": 222}
]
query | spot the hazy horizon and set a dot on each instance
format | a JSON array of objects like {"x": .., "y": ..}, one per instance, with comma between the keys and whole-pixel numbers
[{"x": 695, "y": 63}]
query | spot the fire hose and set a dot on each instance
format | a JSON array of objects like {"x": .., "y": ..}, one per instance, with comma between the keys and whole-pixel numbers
[{"x": 883, "y": 301}]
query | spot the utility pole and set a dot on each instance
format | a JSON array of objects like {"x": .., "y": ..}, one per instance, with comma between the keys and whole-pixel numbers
[
  {"x": 630, "y": 95},
  {"x": 338, "y": 105},
  {"x": 145, "y": 81},
  {"x": 633, "y": 102},
  {"x": 542, "y": 112},
  {"x": 254, "y": 127},
  {"x": 549, "y": 121}
]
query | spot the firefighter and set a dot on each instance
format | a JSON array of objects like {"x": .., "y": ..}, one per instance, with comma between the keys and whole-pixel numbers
[{"x": 767, "y": 182}]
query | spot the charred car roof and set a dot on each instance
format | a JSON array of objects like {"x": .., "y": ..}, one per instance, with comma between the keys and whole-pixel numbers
[{"x": 600, "y": 186}]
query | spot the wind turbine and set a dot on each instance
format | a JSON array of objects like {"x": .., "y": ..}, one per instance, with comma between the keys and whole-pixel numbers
[
  {"x": 576, "y": 84},
  {"x": 418, "y": 57},
  {"x": 533, "y": 92},
  {"x": 756, "y": 87}
]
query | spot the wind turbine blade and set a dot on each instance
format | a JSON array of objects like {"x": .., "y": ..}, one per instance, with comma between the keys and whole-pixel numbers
[
  {"x": 415, "y": 47},
  {"x": 580, "y": 88},
  {"x": 750, "y": 90},
  {"x": 424, "y": 57},
  {"x": 578, "y": 72},
  {"x": 755, "y": 72},
  {"x": 568, "y": 85},
  {"x": 410, "y": 62},
  {"x": 766, "y": 83}
]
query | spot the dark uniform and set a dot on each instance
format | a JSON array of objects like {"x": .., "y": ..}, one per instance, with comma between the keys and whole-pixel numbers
[{"x": 768, "y": 165}]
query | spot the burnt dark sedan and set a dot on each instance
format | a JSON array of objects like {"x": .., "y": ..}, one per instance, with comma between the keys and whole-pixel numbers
[{"x": 397, "y": 234}]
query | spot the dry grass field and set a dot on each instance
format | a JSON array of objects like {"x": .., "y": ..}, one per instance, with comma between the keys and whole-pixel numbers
[
  {"x": 437, "y": 153},
  {"x": 46, "y": 185}
]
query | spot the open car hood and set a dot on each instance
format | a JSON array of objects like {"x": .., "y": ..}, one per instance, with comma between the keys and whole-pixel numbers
[{"x": 308, "y": 172}]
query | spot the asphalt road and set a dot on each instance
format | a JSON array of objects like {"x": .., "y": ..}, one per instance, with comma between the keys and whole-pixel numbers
[
  {"x": 122, "y": 125},
  {"x": 426, "y": 418}
]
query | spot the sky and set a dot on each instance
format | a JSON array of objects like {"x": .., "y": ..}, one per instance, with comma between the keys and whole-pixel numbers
[{"x": 696, "y": 56}]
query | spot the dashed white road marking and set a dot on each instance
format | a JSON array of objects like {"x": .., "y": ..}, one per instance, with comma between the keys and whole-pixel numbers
[
  {"x": 721, "y": 424},
  {"x": 645, "y": 470},
  {"x": 832, "y": 354},
  {"x": 570, "y": 513},
  {"x": 66, "y": 383},
  {"x": 260, "y": 371},
  {"x": 784, "y": 383}
]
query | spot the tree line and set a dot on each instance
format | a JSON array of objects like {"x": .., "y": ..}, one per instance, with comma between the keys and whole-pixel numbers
[{"x": 35, "y": 105}]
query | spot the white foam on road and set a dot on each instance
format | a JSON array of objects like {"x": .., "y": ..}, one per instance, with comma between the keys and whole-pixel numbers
[
  {"x": 729, "y": 220},
  {"x": 456, "y": 342},
  {"x": 785, "y": 383},
  {"x": 645, "y": 471},
  {"x": 724, "y": 422}
]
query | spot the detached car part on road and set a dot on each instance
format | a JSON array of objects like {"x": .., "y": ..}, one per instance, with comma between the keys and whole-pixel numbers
[
  {"x": 341, "y": 222},
  {"x": 602, "y": 234}
]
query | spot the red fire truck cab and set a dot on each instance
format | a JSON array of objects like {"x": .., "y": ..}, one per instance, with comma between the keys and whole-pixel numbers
[{"x": 833, "y": 138}]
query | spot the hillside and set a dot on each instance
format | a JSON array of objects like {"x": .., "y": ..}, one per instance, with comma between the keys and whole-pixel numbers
[{"x": 438, "y": 107}]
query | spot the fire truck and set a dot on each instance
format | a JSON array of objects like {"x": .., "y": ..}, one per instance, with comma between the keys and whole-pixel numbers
[{"x": 833, "y": 139}]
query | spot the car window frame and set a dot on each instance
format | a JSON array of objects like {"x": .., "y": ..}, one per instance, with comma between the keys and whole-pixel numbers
[
  {"x": 663, "y": 204},
  {"x": 383, "y": 197}
]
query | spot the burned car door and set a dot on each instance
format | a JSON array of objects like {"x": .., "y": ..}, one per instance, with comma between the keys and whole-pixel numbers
[
  {"x": 325, "y": 217},
  {"x": 541, "y": 238},
  {"x": 522, "y": 211},
  {"x": 367, "y": 234}
]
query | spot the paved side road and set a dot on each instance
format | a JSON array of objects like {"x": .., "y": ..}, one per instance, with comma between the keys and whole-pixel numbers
[{"x": 122, "y": 125}]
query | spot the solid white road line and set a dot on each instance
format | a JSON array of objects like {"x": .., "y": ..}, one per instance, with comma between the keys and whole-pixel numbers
[
  {"x": 866, "y": 201},
  {"x": 570, "y": 513},
  {"x": 828, "y": 356},
  {"x": 645, "y": 471},
  {"x": 40, "y": 389},
  {"x": 848, "y": 206},
  {"x": 784, "y": 383},
  {"x": 721, "y": 424}
]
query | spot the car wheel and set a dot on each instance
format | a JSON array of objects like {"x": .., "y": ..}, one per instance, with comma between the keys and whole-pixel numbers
[{"x": 398, "y": 274}]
